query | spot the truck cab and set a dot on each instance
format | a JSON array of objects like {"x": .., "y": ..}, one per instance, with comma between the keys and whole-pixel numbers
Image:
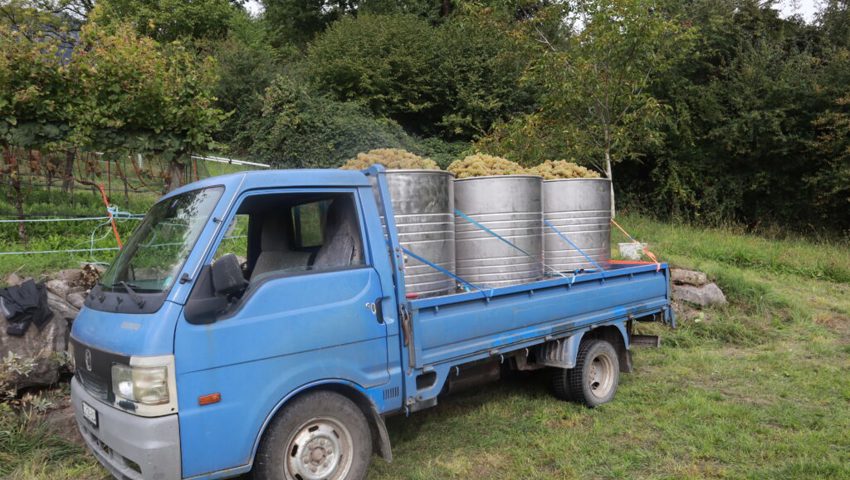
[
  {"x": 258, "y": 322},
  {"x": 308, "y": 247}
]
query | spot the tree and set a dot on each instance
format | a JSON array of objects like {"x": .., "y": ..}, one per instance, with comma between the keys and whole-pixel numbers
[
  {"x": 247, "y": 64},
  {"x": 741, "y": 106},
  {"x": 143, "y": 96},
  {"x": 169, "y": 20},
  {"x": 298, "y": 21},
  {"x": 36, "y": 99},
  {"x": 831, "y": 182},
  {"x": 834, "y": 20},
  {"x": 596, "y": 79}
]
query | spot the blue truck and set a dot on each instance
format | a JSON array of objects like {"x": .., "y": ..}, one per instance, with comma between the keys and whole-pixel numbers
[{"x": 195, "y": 360}]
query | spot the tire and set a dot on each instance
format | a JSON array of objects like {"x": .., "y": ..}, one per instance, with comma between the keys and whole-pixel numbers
[
  {"x": 561, "y": 384},
  {"x": 322, "y": 435},
  {"x": 596, "y": 375}
]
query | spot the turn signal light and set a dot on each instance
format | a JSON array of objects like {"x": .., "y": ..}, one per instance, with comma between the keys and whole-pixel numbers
[{"x": 209, "y": 399}]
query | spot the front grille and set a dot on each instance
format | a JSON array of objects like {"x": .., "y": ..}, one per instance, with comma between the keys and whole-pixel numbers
[
  {"x": 94, "y": 369},
  {"x": 94, "y": 384}
]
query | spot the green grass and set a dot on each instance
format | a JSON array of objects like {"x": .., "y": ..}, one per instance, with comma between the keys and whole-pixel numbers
[
  {"x": 756, "y": 389},
  {"x": 83, "y": 202}
]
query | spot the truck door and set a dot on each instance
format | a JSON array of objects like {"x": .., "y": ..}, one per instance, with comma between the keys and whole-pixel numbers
[{"x": 308, "y": 315}]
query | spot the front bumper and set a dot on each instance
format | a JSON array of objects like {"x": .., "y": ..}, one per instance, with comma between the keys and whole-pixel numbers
[{"x": 129, "y": 446}]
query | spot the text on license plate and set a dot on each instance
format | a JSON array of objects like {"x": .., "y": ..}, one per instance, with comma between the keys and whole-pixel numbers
[{"x": 90, "y": 413}]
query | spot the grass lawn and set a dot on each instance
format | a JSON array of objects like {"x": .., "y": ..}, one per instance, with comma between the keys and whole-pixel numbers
[{"x": 757, "y": 389}]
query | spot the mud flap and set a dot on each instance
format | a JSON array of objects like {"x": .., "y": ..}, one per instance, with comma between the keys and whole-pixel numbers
[{"x": 382, "y": 437}]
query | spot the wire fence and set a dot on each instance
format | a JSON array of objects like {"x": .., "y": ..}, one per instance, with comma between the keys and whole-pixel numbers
[
  {"x": 55, "y": 204},
  {"x": 120, "y": 175}
]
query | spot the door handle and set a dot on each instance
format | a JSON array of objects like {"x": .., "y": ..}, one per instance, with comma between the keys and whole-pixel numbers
[{"x": 378, "y": 309}]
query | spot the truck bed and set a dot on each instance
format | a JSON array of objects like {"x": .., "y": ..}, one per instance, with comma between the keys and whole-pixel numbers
[{"x": 464, "y": 327}]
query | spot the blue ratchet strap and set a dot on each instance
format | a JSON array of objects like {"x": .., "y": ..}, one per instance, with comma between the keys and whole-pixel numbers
[
  {"x": 564, "y": 237},
  {"x": 445, "y": 272},
  {"x": 508, "y": 242}
]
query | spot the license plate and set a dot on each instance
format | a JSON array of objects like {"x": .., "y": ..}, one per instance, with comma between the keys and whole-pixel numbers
[{"x": 90, "y": 414}]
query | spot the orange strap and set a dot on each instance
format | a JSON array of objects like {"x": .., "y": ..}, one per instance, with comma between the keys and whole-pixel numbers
[
  {"x": 111, "y": 218},
  {"x": 645, "y": 250}
]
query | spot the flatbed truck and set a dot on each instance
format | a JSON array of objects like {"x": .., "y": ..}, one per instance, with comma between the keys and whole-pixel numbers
[{"x": 258, "y": 322}]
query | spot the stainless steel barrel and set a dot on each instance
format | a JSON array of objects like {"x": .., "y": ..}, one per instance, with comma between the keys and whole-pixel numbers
[
  {"x": 581, "y": 209},
  {"x": 423, "y": 207},
  {"x": 510, "y": 206}
]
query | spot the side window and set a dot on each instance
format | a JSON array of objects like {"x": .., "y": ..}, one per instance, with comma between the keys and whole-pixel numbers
[
  {"x": 235, "y": 239},
  {"x": 308, "y": 221},
  {"x": 276, "y": 234}
]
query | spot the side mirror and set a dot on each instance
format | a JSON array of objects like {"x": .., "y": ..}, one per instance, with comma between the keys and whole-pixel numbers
[
  {"x": 202, "y": 311},
  {"x": 211, "y": 294},
  {"x": 227, "y": 276}
]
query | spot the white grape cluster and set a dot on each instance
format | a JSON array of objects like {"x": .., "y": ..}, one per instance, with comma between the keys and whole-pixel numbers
[
  {"x": 482, "y": 165},
  {"x": 559, "y": 169},
  {"x": 392, "y": 159}
]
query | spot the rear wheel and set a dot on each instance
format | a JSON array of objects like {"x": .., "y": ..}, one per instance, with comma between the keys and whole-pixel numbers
[
  {"x": 320, "y": 436},
  {"x": 561, "y": 384},
  {"x": 595, "y": 377}
]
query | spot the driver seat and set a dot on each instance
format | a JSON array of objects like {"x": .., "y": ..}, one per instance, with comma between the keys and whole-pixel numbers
[
  {"x": 342, "y": 245},
  {"x": 275, "y": 252}
]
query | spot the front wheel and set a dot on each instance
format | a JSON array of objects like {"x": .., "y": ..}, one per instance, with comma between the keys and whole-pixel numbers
[
  {"x": 595, "y": 377},
  {"x": 320, "y": 436}
]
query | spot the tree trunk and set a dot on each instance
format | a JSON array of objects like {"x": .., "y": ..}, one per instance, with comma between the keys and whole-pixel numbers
[
  {"x": 68, "y": 181},
  {"x": 15, "y": 178},
  {"x": 610, "y": 175},
  {"x": 125, "y": 178},
  {"x": 176, "y": 169}
]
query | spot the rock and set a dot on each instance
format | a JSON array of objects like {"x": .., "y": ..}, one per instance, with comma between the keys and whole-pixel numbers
[
  {"x": 13, "y": 279},
  {"x": 59, "y": 287},
  {"x": 70, "y": 276},
  {"x": 76, "y": 299},
  {"x": 61, "y": 308},
  {"x": 705, "y": 296},
  {"x": 45, "y": 349},
  {"x": 681, "y": 276},
  {"x": 82, "y": 290}
]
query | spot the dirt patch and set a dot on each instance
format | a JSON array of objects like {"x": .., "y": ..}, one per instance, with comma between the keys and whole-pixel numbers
[
  {"x": 568, "y": 422},
  {"x": 61, "y": 422},
  {"x": 836, "y": 323},
  {"x": 686, "y": 313}
]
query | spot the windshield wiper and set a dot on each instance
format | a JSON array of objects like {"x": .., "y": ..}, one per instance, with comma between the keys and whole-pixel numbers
[{"x": 135, "y": 296}]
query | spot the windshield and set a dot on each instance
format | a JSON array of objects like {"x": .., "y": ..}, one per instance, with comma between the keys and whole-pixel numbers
[{"x": 160, "y": 245}]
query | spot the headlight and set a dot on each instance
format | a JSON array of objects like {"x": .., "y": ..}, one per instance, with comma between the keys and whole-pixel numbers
[{"x": 145, "y": 385}]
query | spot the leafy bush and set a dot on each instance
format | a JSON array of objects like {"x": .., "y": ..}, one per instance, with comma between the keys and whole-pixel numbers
[
  {"x": 529, "y": 139},
  {"x": 385, "y": 61},
  {"x": 455, "y": 79},
  {"x": 301, "y": 129}
]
